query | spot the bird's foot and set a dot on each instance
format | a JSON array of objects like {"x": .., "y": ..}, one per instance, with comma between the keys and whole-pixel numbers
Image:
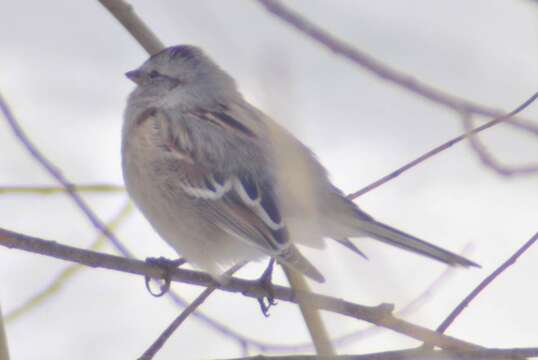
[
  {"x": 168, "y": 266},
  {"x": 265, "y": 281}
]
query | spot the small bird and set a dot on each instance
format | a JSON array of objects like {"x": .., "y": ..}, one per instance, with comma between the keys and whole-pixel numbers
[{"x": 223, "y": 183}]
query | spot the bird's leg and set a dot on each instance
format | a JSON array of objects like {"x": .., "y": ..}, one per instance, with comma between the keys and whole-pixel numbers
[
  {"x": 266, "y": 282},
  {"x": 168, "y": 266}
]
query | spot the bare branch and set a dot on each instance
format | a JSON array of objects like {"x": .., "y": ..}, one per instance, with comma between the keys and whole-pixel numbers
[
  {"x": 380, "y": 315},
  {"x": 157, "y": 345},
  {"x": 124, "y": 13},
  {"x": 488, "y": 280},
  {"x": 489, "y": 160},
  {"x": 380, "y": 69},
  {"x": 416, "y": 354},
  {"x": 442, "y": 147}
]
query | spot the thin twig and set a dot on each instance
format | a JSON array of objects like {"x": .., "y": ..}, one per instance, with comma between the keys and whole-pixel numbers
[
  {"x": 158, "y": 344},
  {"x": 416, "y": 354},
  {"x": 380, "y": 69},
  {"x": 488, "y": 280},
  {"x": 380, "y": 315},
  {"x": 52, "y": 190},
  {"x": 440, "y": 148},
  {"x": 124, "y": 13},
  {"x": 489, "y": 160}
]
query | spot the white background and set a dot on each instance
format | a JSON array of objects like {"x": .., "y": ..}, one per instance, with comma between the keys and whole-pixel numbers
[{"x": 61, "y": 69}]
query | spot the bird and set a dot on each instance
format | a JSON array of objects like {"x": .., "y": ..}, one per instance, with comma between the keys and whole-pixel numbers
[{"x": 222, "y": 183}]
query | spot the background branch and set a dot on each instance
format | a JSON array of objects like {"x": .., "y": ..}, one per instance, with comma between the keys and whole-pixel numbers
[
  {"x": 158, "y": 344},
  {"x": 488, "y": 160},
  {"x": 488, "y": 280},
  {"x": 124, "y": 13},
  {"x": 380, "y": 69}
]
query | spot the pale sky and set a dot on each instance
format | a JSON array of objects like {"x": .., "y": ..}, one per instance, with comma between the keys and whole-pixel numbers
[{"x": 61, "y": 69}]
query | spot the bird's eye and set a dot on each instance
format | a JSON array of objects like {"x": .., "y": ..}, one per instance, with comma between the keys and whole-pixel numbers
[{"x": 154, "y": 74}]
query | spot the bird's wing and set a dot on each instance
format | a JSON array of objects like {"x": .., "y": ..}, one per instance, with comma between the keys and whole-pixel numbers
[
  {"x": 238, "y": 202},
  {"x": 235, "y": 202}
]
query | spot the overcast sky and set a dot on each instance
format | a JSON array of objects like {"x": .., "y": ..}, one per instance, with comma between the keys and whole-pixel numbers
[{"x": 61, "y": 69}]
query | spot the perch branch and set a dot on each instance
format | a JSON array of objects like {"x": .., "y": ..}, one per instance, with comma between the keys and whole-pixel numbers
[{"x": 380, "y": 315}]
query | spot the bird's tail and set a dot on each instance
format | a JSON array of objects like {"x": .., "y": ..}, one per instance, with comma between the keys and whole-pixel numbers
[
  {"x": 294, "y": 259},
  {"x": 395, "y": 237}
]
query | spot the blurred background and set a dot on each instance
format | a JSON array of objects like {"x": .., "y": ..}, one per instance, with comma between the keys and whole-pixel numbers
[{"x": 61, "y": 69}]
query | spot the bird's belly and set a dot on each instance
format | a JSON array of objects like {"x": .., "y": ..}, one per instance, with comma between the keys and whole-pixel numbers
[{"x": 178, "y": 218}]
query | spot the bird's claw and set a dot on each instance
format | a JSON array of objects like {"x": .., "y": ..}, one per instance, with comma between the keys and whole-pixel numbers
[
  {"x": 168, "y": 266},
  {"x": 265, "y": 282}
]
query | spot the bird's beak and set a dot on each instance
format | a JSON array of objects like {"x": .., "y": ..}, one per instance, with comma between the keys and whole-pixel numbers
[{"x": 135, "y": 76}]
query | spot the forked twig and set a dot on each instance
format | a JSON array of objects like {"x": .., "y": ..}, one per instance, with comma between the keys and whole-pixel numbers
[{"x": 489, "y": 160}]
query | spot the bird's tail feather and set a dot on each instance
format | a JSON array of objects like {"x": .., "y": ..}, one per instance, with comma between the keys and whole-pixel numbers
[
  {"x": 395, "y": 237},
  {"x": 294, "y": 259}
]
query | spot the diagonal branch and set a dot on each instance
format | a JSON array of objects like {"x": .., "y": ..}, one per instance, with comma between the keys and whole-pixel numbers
[
  {"x": 158, "y": 344},
  {"x": 488, "y": 280},
  {"x": 124, "y": 13},
  {"x": 379, "y": 315},
  {"x": 382, "y": 70}
]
